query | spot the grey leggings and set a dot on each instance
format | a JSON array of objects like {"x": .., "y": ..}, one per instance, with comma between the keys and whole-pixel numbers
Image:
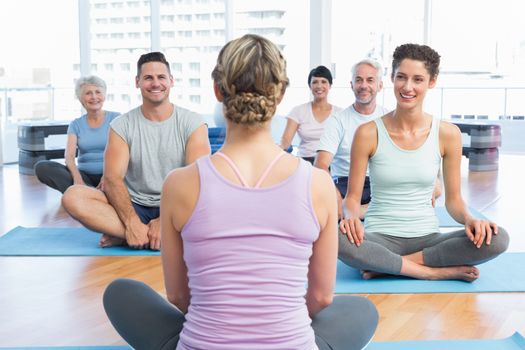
[
  {"x": 383, "y": 253},
  {"x": 148, "y": 321},
  {"x": 57, "y": 176}
]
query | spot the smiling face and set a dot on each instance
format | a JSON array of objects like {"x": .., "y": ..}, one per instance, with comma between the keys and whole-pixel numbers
[
  {"x": 319, "y": 87},
  {"x": 366, "y": 84},
  {"x": 92, "y": 97},
  {"x": 411, "y": 83},
  {"x": 154, "y": 82}
]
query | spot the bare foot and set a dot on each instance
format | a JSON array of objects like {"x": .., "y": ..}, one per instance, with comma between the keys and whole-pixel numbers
[
  {"x": 463, "y": 273},
  {"x": 368, "y": 275},
  {"x": 110, "y": 241}
]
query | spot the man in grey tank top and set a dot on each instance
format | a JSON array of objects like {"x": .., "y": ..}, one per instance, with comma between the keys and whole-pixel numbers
[{"x": 144, "y": 145}]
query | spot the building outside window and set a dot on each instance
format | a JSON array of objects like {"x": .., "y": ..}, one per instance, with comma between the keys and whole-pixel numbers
[{"x": 481, "y": 72}]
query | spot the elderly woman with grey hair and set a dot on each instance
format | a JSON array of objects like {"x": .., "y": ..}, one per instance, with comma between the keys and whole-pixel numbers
[{"x": 87, "y": 134}]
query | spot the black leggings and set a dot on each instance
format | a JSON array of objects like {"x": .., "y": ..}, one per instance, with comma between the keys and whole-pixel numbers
[
  {"x": 384, "y": 253},
  {"x": 148, "y": 321},
  {"x": 57, "y": 176}
]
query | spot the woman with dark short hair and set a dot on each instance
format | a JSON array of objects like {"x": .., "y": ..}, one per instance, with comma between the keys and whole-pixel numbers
[{"x": 309, "y": 119}]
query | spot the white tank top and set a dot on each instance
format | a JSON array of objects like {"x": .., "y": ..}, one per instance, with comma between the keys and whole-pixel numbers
[{"x": 402, "y": 182}]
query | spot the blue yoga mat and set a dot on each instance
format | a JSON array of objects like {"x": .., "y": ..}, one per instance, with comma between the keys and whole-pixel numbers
[
  {"x": 514, "y": 342},
  {"x": 502, "y": 274},
  {"x": 445, "y": 220},
  {"x": 24, "y": 241},
  {"x": 79, "y": 241}
]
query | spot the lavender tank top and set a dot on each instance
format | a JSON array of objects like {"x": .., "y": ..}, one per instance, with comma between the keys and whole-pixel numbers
[{"x": 247, "y": 251}]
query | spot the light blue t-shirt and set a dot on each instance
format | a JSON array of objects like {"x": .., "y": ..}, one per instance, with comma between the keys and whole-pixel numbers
[
  {"x": 402, "y": 182},
  {"x": 91, "y": 142},
  {"x": 338, "y": 136}
]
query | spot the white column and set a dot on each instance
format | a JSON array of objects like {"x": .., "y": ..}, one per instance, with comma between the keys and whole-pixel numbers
[
  {"x": 155, "y": 25},
  {"x": 84, "y": 34},
  {"x": 3, "y": 121},
  {"x": 427, "y": 23},
  {"x": 228, "y": 19},
  {"x": 320, "y": 33}
]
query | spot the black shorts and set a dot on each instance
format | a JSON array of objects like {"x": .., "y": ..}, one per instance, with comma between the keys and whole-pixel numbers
[
  {"x": 342, "y": 184},
  {"x": 146, "y": 214}
]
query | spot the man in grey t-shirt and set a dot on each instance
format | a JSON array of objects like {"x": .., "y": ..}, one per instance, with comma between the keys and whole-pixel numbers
[{"x": 144, "y": 145}]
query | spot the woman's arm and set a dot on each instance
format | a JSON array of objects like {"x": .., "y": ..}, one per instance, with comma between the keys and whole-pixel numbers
[
  {"x": 363, "y": 147},
  {"x": 178, "y": 199},
  {"x": 478, "y": 231},
  {"x": 70, "y": 155},
  {"x": 323, "y": 262},
  {"x": 174, "y": 267},
  {"x": 289, "y": 133}
]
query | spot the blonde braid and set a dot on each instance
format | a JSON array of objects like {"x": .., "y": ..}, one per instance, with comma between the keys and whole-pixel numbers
[{"x": 251, "y": 76}]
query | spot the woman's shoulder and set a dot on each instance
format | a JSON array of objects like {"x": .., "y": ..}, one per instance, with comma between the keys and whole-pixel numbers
[
  {"x": 321, "y": 178},
  {"x": 299, "y": 110},
  {"x": 366, "y": 133},
  {"x": 77, "y": 120},
  {"x": 306, "y": 105},
  {"x": 370, "y": 126},
  {"x": 112, "y": 115},
  {"x": 447, "y": 129},
  {"x": 76, "y": 124},
  {"x": 336, "y": 109},
  {"x": 183, "y": 173},
  {"x": 180, "y": 179}
]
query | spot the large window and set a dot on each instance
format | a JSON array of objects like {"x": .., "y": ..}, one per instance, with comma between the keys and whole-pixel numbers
[
  {"x": 119, "y": 45},
  {"x": 372, "y": 29},
  {"x": 191, "y": 44},
  {"x": 482, "y": 64},
  {"x": 40, "y": 43},
  {"x": 481, "y": 43},
  {"x": 287, "y": 25},
  {"x": 198, "y": 32}
]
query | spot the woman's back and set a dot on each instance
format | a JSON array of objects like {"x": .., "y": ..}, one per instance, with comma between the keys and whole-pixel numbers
[
  {"x": 247, "y": 251},
  {"x": 249, "y": 236}
]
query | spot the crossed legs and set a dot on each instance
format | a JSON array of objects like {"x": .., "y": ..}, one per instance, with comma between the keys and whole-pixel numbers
[
  {"x": 57, "y": 176},
  {"x": 434, "y": 256},
  {"x": 91, "y": 208},
  {"x": 147, "y": 321}
]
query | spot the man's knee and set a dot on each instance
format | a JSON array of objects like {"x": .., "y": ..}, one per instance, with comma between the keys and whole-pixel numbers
[{"x": 74, "y": 197}]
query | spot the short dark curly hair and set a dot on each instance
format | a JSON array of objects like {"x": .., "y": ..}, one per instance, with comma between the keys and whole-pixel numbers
[{"x": 417, "y": 52}]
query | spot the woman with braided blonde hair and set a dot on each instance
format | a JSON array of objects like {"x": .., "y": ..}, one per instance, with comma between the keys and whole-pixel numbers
[{"x": 249, "y": 237}]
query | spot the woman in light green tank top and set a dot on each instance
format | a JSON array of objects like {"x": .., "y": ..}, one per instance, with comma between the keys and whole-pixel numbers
[{"x": 404, "y": 150}]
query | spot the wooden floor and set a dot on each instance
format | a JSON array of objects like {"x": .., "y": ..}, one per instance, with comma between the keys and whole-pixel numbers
[{"x": 56, "y": 301}]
